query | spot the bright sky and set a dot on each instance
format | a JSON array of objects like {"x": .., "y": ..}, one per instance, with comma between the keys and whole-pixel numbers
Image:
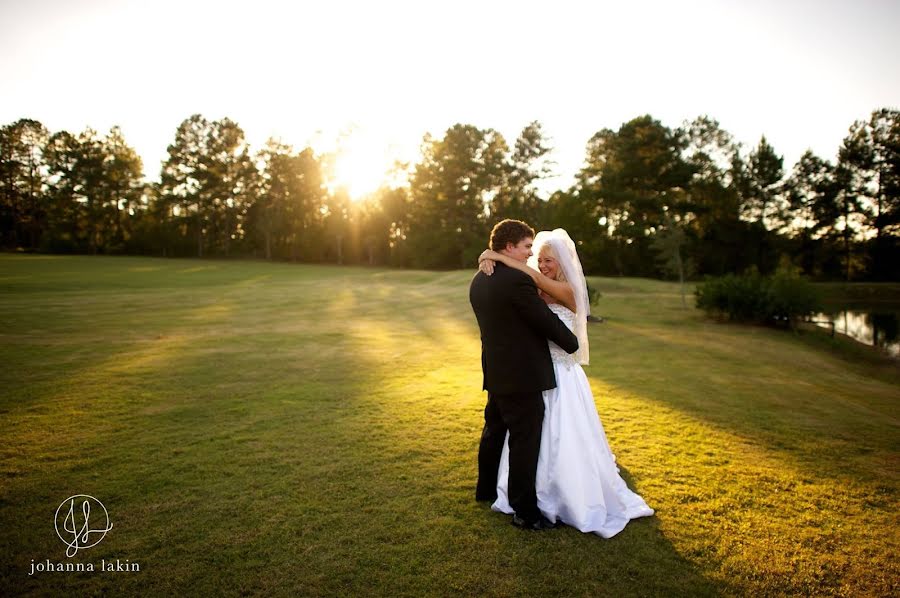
[{"x": 387, "y": 72}]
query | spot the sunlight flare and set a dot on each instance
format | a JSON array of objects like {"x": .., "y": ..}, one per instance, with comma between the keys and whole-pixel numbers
[{"x": 361, "y": 163}]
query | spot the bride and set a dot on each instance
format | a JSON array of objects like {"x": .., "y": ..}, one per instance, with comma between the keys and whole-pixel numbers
[{"x": 577, "y": 481}]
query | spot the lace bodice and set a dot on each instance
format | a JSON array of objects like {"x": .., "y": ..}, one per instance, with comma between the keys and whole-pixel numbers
[{"x": 568, "y": 318}]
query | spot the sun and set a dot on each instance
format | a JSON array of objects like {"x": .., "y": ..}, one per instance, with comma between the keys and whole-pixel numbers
[
  {"x": 361, "y": 164},
  {"x": 360, "y": 173}
]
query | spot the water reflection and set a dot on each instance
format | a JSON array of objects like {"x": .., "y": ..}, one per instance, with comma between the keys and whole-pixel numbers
[{"x": 878, "y": 329}]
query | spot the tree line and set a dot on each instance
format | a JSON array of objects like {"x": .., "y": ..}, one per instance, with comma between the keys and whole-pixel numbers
[{"x": 649, "y": 199}]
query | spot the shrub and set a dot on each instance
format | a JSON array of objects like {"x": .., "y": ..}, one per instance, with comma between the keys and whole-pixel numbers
[
  {"x": 593, "y": 295},
  {"x": 785, "y": 296}
]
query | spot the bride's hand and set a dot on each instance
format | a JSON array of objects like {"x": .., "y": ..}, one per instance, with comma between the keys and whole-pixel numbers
[{"x": 486, "y": 261}]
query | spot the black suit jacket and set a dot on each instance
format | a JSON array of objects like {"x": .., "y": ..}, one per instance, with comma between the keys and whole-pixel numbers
[{"x": 515, "y": 326}]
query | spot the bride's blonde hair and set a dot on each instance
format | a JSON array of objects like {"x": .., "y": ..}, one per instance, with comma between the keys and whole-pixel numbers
[{"x": 548, "y": 248}]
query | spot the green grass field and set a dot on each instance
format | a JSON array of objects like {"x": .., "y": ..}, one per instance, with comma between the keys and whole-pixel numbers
[{"x": 278, "y": 429}]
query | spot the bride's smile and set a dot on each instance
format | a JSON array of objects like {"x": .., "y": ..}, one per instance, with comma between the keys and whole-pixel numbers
[{"x": 548, "y": 266}]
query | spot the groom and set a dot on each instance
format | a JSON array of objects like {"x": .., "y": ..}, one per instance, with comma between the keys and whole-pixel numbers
[{"x": 515, "y": 326}]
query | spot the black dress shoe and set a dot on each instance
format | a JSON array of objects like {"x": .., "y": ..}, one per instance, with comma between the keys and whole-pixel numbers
[
  {"x": 482, "y": 498},
  {"x": 538, "y": 525}
]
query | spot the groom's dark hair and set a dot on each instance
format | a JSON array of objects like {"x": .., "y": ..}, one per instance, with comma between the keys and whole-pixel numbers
[{"x": 509, "y": 231}]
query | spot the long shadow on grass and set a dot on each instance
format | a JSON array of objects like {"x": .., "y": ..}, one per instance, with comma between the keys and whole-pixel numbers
[{"x": 641, "y": 560}]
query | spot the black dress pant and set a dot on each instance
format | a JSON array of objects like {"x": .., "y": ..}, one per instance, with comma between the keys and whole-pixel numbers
[{"x": 522, "y": 414}]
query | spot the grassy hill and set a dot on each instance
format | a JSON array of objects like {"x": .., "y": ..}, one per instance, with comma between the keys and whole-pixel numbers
[{"x": 278, "y": 429}]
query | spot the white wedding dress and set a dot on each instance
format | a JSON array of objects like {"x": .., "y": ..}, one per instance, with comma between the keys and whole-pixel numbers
[{"x": 578, "y": 481}]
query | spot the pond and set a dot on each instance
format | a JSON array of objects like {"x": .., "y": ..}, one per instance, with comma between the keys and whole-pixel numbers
[{"x": 877, "y": 328}]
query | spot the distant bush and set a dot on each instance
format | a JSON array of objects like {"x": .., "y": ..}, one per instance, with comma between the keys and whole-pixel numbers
[
  {"x": 593, "y": 295},
  {"x": 783, "y": 297}
]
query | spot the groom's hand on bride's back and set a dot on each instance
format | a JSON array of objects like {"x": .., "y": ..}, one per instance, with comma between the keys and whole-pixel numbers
[
  {"x": 548, "y": 299},
  {"x": 533, "y": 309}
]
